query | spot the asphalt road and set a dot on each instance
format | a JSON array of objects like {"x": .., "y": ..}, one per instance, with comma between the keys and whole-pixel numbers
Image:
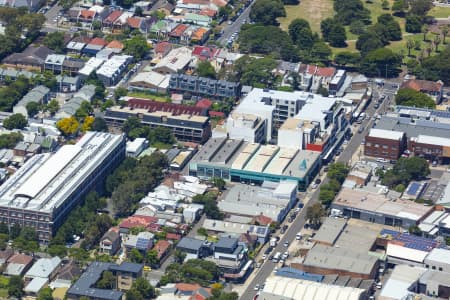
[
  {"x": 235, "y": 26},
  {"x": 51, "y": 16},
  {"x": 268, "y": 266}
]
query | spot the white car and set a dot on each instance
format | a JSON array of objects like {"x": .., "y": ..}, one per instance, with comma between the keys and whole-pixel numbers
[
  {"x": 314, "y": 186},
  {"x": 286, "y": 244},
  {"x": 256, "y": 288},
  {"x": 264, "y": 256}
]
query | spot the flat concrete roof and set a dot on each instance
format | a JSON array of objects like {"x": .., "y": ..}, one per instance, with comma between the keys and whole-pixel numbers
[
  {"x": 330, "y": 230},
  {"x": 376, "y": 203}
]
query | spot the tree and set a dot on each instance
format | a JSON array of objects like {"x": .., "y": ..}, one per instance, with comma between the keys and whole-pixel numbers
[
  {"x": 68, "y": 126},
  {"x": 357, "y": 27},
  {"x": 87, "y": 123},
  {"x": 255, "y": 72},
  {"x": 391, "y": 27},
  {"x": 206, "y": 69},
  {"x": 301, "y": 33},
  {"x": 161, "y": 135},
  {"x": 107, "y": 281},
  {"x": 15, "y": 121},
  {"x": 415, "y": 230},
  {"x": 436, "y": 67},
  {"x": 57, "y": 250},
  {"x": 385, "y": 5},
  {"x": 266, "y": 12},
  {"x": 444, "y": 30},
  {"x": 437, "y": 41},
  {"x": 410, "y": 45},
  {"x": 152, "y": 258},
  {"x": 136, "y": 256},
  {"x": 14, "y": 231},
  {"x": 425, "y": 30},
  {"x": 399, "y": 7},
  {"x": 202, "y": 231},
  {"x": 413, "y": 24},
  {"x": 420, "y": 7},
  {"x": 410, "y": 97},
  {"x": 133, "y": 294},
  {"x": 120, "y": 92},
  {"x": 32, "y": 108},
  {"x": 52, "y": 106},
  {"x": 145, "y": 289},
  {"x": 218, "y": 183},
  {"x": 351, "y": 10},
  {"x": 347, "y": 58},
  {"x": 99, "y": 124},
  {"x": 337, "y": 36},
  {"x": 323, "y": 91},
  {"x": 178, "y": 256},
  {"x": 338, "y": 171},
  {"x": 4, "y": 228},
  {"x": 381, "y": 62},
  {"x": 84, "y": 110},
  {"x": 368, "y": 41},
  {"x": 315, "y": 213},
  {"x": 15, "y": 287},
  {"x": 45, "y": 294},
  {"x": 137, "y": 47},
  {"x": 321, "y": 52},
  {"x": 55, "y": 41}
]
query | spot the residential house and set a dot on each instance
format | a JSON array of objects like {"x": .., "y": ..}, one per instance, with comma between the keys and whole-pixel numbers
[
  {"x": 40, "y": 274},
  {"x": 200, "y": 35},
  {"x": 150, "y": 81},
  {"x": 116, "y": 46},
  {"x": 76, "y": 45},
  {"x": 39, "y": 94},
  {"x": 162, "y": 28},
  {"x": 121, "y": 22},
  {"x": 71, "y": 66},
  {"x": 94, "y": 46},
  {"x": 54, "y": 63},
  {"x": 197, "y": 19},
  {"x": 110, "y": 73},
  {"x": 143, "y": 242},
  {"x": 185, "y": 291},
  {"x": 162, "y": 247},
  {"x": 108, "y": 22},
  {"x": 18, "y": 264},
  {"x": 86, "y": 16},
  {"x": 86, "y": 93},
  {"x": 32, "y": 58},
  {"x": 135, "y": 221},
  {"x": 70, "y": 270},
  {"x": 110, "y": 242},
  {"x": 312, "y": 77},
  {"x": 431, "y": 88},
  {"x": 67, "y": 84},
  {"x": 126, "y": 274},
  {"x": 161, "y": 49},
  {"x": 163, "y": 6},
  {"x": 138, "y": 23},
  {"x": 32, "y": 6},
  {"x": 175, "y": 62},
  {"x": 5, "y": 255},
  {"x": 194, "y": 248},
  {"x": 177, "y": 34}
]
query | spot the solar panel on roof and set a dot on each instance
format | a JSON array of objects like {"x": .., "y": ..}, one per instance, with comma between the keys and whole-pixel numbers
[
  {"x": 142, "y": 244},
  {"x": 413, "y": 188}
]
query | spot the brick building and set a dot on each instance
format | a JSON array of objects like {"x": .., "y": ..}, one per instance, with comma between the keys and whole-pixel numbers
[{"x": 385, "y": 144}]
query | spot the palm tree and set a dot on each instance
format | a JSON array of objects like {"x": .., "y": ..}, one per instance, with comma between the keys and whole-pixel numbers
[
  {"x": 444, "y": 31},
  {"x": 425, "y": 30},
  {"x": 409, "y": 45},
  {"x": 437, "y": 41},
  {"x": 428, "y": 50}
]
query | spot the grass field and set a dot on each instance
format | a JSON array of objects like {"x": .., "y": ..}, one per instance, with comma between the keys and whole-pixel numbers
[
  {"x": 314, "y": 11},
  {"x": 440, "y": 12},
  {"x": 148, "y": 96}
]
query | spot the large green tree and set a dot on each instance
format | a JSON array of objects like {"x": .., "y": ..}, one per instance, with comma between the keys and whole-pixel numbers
[
  {"x": 381, "y": 62},
  {"x": 15, "y": 287},
  {"x": 55, "y": 41},
  {"x": 315, "y": 213},
  {"x": 137, "y": 47},
  {"x": 15, "y": 121},
  {"x": 255, "y": 72},
  {"x": 266, "y": 12},
  {"x": 206, "y": 69},
  {"x": 410, "y": 97}
]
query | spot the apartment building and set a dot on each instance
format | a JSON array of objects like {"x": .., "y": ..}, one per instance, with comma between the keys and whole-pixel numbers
[
  {"x": 188, "y": 123},
  {"x": 204, "y": 86}
]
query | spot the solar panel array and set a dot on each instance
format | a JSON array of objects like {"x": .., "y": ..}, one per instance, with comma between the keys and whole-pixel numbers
[
  {"x": 297, "y": 274},
  {"x": 392, "y": 233},
  {"x": 413, "y": 188},
  {"x": 411, "y": 241},
  {"x": 261, "y": 230}
]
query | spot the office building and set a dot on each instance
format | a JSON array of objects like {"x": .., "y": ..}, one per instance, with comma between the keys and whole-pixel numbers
[
  {"x": 48, "y": 186},
  {"x": 188, "y": 123},
  {"x": 203, "y": 86}
]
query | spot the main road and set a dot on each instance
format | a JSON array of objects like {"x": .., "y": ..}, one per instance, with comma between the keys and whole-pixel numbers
[
  {"x": 236, "y": 25},
  {"x": 345, "y": 157}
]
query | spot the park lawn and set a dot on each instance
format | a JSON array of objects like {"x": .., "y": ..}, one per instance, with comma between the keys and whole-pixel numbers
[
  {"x": 351, "y": 46},
  {"x": 439, "y": 12},
  {"x": 4, "y": 294},
  {"x": 145, "y": 95},
  {"x": 314, "y": 11}
]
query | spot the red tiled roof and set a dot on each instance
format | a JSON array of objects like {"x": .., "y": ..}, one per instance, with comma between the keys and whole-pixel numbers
[
  {"x": 161, "y": 247},
  {"x": 187, "y": 287},
  {"x": 138, "y": 221},
  {"x": 134, "y": 22},
  {"x": 87, "y": 14},
  {"x": 176, "y": 109},
  {"x": 98, "y": 41},
  {"x": 179, "y": 30},
  {"x": 20, "y": 259},
  {"x": 115, "y": 44},
  {"x": 204, "y": 103},
  {"x": 320, "y": 71},
  {"x": 203, "y": 51},
  {"x": 173, "y": 236},
  {"x": 162, "y": 47},
  {"x": 113, "y": 16},
  {"x": 208, "y": 12},
  {"x": 263, "y": 220},
  {"x": 199, "y": 34},
  {"x": 422, "y": 85}
]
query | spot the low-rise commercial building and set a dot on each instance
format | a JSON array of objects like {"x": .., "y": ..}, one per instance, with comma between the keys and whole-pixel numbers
[
  {"x": 48, "y": 186},
  {"x": 241, "y": 161},
  {"x": 385, "y": 144},
  {"x": 188, "y": 123},
  {"x": 378, "y": 208}
]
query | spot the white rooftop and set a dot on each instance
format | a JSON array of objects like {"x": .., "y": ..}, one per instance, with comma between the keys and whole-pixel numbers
[
  {"x": 91, "y": 65},
  {"x": 439, "y": 255},
  {"x": 112, "y": 65},
  {"x": 45, "y": 180},
  {"x": 43, "y": 267},
  {"x": 432, "y": 140},
  {"x": 386, "y": 134},
  {"x": 397, "y": 286}
]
